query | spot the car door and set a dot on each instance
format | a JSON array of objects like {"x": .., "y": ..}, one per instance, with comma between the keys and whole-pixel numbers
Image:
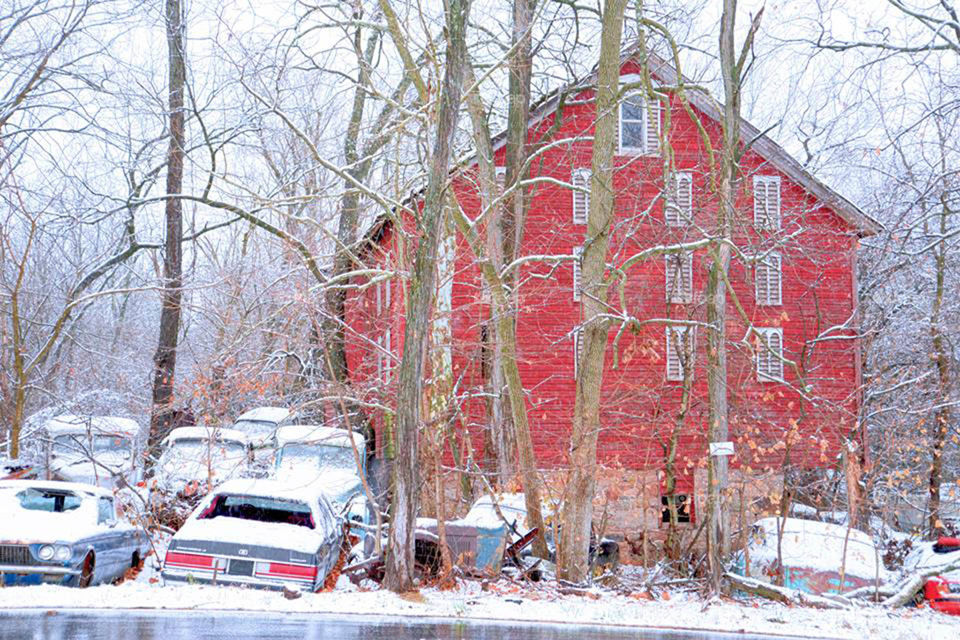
[{"x": 112, "y": 542}]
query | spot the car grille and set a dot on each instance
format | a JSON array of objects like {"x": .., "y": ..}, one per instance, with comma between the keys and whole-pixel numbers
[{"x": 15, "y": 554}]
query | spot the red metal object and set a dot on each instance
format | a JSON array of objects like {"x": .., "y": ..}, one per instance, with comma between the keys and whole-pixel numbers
[
  {"x": 941, "y": 597},
  {"x": 291, "y": 570},
  {"x": 190, "y": 560}
]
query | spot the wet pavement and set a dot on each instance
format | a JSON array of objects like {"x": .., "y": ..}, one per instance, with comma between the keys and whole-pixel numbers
[{"x": 166, "y": 625}]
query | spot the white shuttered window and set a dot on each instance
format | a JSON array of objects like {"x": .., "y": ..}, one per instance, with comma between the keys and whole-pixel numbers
[
  {"x": 680, "y": 351},
  {"x": 678, "y": 206},
  {"x": 769, "y": 280},
  {"x": 639, "y": 125},
  {"x": 766, "y": 202},
  {"x": 770, "y": 355},
  {"x": 679, "y": 271},
  {"x": 501, "y": 175},
  {"x": 577, "y": 258},
  {"x": 580, "y": 179},
  {"x": 577, "y": 351}
]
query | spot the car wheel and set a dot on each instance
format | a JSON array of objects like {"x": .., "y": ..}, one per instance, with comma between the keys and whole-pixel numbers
[{"x": 86, "y": 576}]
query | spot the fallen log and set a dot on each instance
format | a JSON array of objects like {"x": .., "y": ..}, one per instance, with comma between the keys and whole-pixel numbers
[
  {"x": 906, "y": 588},
  {"x": 784, "y": 595}
]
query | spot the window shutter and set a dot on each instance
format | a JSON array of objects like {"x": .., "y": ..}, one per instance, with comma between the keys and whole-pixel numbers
[
  {"x": 678, "y": 209},
  {"x": 679, "y": 280},
  {"x": 577, "y": 258},
  {"x": 652, "y": 127},
  {"x": 387, "y": 357},
  {"x": 766, "y": 202},
  {"x": 680, "y": 351},
  {"x": 581, "y": 195},
  {"x": 378, "y": 295},
  {"x": 501, "y": 175},
  {"x": 769, "y": 280},
  {"x": 770, "y": 355}
]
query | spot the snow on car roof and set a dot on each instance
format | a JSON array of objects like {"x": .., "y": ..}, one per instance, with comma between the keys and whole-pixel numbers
[
  {"x": 317, "y": 435},
  {"x": 54, "y": 485},
  {"x": 816, "y": 545},
  {"x": 202, "y": 433},
  {"x": 265, "y": 414},
  {"x": 271, "y": 489},
  {"x": 68, "y": 424}
]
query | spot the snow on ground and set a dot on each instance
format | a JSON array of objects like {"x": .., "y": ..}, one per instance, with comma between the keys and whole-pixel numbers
[{"x": 503, "y": 600}]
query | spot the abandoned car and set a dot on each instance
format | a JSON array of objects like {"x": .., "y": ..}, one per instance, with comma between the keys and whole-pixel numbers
[
  {"x": 64, "y": 533},
  {"x": 260, "y": 426},
  {"x": 93, "y": 449},
  {"x": 261, "y": 533}
]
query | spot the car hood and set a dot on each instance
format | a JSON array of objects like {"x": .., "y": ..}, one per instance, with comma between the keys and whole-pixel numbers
[
  {"x": 251, "y": 532},
  {"x": 84, "y": 466},
  {"x": 41, "y": 526},
  {"x": 338, "y": 484}
]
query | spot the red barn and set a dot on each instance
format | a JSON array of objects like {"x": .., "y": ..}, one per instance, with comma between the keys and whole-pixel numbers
[{"x": 793, "y": 356}]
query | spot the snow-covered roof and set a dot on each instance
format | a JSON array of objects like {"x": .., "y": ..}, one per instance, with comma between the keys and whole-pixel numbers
[
  {"x": 69, "y": 424},
  {"x": 271, "y": 489},
  {"x": 314, "y": 434},
  {"x": 53, "y": 485},
  {"x": 815, "y": 545},
  {"x": 202, "y": 433},
  {"x": 265, "y": 414}
]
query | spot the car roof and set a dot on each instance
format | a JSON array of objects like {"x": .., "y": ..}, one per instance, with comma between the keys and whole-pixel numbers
[
  {"x": 68, "y": 424},
  {"x": 54, "y": 485},
  {"x": 265, "y": 414},
  {"x": 263, "y": 488},
  {"x": 203, "y": 433},
  {"x": 315, "y": 434}
]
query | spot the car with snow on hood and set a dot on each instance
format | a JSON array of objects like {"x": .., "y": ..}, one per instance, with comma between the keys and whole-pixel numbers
[
  {"x": 64, "y": 533},
  {"x": 261, "y": 424},
  {"x": 330, "y": 460},
  {"x": 192, "y": 461},
  {"x": 260, "y": 533},
  {"x": 93, "y": 449}
]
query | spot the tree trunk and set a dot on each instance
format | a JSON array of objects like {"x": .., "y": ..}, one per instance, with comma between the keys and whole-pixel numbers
[
  {"x": 165, "y": 358},
  {"x": 422, "y": 285},
  {"x": 577, "y": 512},
  {"x": 942, "y": 354}
]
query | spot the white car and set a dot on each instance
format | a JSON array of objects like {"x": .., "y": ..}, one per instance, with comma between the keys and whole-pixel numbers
[
  {"x": 93, "y": 449},
  {"x": 259, "y": 533},
  {"x": 326, "y": 458},
  {"x": 261, "y": 424},
  {"x": 64, "y": 533},
  {"x": 199, "y": 456}
]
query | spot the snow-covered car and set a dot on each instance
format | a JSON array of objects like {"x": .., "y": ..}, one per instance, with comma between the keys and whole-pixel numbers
[
  {"x": 192, "y": 461},
  {"x": 940, "y": 592},
  {"x": 813, "y": 555},
  {"x": 326, "y": 458},
  {"x": 261, "y": 533},
  {"x": 64, "y": 533},
  {"x": 261, "y": 424},
  {"x": 93, "y": 449}
]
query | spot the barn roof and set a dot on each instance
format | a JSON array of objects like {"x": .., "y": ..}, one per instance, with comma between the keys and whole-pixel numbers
[{"x": 665, "y": 73}]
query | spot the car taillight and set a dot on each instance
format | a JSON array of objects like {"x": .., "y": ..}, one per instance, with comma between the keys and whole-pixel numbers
[
  {"x": 283, "y": 570},
  {"x": 192, "y": 560}
]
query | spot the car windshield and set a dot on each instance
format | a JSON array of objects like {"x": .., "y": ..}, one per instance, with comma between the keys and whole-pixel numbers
[
  {"x": 316, "y": 456},
  {"x": 193, "y": 449},
  {"x": 260, "y": 509},
  {"x": 35, "y": 499},
  {"x": 69, "y": 444},
  {"x": 111, "y": 443},
  {"x": 256, "y": 429}
]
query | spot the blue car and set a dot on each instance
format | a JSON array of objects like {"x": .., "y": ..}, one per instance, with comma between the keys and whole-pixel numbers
[{"x": 64, "y": 533}]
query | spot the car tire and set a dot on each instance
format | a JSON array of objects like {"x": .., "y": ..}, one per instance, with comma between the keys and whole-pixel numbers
[{"x": 86, "y": 575}]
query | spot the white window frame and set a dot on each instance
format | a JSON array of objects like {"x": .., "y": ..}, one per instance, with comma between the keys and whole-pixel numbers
[
  {"x": 577, "y": 273},
  {"x": 675, "y": 370},
  {"x": 676, "y": 212},
  {"x": 769, "y": 273},
  {"x": 769, "y": 362},
  {"x": 580, "y": 177},
  {"x": 763, "y": 217},
  {"x": 648, "y": 112},
  {"x": 683, "y": 294}
]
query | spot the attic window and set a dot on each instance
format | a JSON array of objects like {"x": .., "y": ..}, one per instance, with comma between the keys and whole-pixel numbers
[
  {"x": 680, "y": 352},
  {"x": 501, "y": 175},
  {"x": 681, "y": 502},
  {"x": 639, "y": 125},
  {"x": 679, "y": 277},
  {"x": 769, "y": 280},
  {"x": 766, "y": 202},
  {"x": 580, "y": 179}
]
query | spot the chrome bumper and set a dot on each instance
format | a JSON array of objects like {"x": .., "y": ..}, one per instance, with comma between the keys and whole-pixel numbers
[{"x": 22, "y": 568}]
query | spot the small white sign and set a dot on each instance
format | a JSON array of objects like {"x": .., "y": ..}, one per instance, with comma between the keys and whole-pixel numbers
[{"x": 721, "y": 448}]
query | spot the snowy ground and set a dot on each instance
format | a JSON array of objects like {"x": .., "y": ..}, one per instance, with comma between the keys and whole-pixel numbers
[{"x": 503, "y": 600}]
